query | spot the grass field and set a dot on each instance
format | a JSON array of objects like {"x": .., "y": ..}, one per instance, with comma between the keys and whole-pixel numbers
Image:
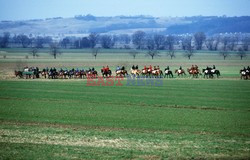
[{"x": 65, "y": 119}]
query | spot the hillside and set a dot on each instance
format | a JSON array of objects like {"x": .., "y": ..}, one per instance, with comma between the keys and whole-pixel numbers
[{"x": 81, "y": 25}]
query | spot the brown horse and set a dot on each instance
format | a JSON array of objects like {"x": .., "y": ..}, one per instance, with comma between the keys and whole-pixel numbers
[
  {"x": 19, "y": 74},
  {"x": 157, "y": 73},
  {"x": 194, "y": 72},
  {"x": 146, "y": 72},
  {"x": 121, "y": 73},
  {"x": 77, "y": 74},
  {"x": 180, "y": 72}
]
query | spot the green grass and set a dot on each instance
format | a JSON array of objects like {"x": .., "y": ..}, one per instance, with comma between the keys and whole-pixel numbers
[
  {"x": 65, "y": 119},
  {"x": 182, "y": 118}
]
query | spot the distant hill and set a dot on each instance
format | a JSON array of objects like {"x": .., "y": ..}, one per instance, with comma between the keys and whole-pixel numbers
[
  {"x": 212, "y": 25},
  {"x": 85, "y": 24}
]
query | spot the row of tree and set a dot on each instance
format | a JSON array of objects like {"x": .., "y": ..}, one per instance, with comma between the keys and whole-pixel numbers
[
  {"x": 55, "y": 51},
  {"x": 138, "y": 40}
]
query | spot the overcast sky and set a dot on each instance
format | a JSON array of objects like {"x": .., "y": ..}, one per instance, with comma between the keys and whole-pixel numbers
[{"x": 36, "y": 9}]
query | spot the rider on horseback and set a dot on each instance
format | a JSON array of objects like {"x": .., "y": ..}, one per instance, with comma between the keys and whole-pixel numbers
[
  {"x": 167, "y": 68},
  {"x": 196, "y": 67},
  {"x": 117, "y": 68},
  {"x": 133, "y": 67},
  {"x": 136, "y": 67},
  {"x": 192, "y": 67},
  {"x": 123, "y": 68}
]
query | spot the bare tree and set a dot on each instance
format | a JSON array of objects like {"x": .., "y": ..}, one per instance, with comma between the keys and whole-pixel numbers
[
  {"x": 209, "y": 43},
  {"x": 65, "y": 42},
  {"x": 93, "y": 38},
  {"x": 246, "y": 43},
  {"x": 241, "y": 53},
  {"x": 170, "y": 40},
  {"x": 106, "y": 41},
  {"x": 138, "y": 39},
  {"x": 134, "y": 53},
  {"x": 212, "y": 43},
  {"x": 186, "y": 41},
  {"x": 199, "y": 38},
  {"x": 150, "y": 44},
  {"x": 159, "y": 41},
  {"x": 54, "y": 50},
  {"x": 125, "y": 38},
  {"x": 233, "y": 40},
  {"x": 24, "y": 40},
  {"x": 34, "y": 52},
  {"x": 152, "y": 53},
  {"x": 225, "y": 42},
  {"x": 189, "y": 48},
  {"x": 171, "y": 53},
  {"x": 95, "y": 52},
  {"x": 4, "y": 41},
  {"x": 189, "y": 53},
  {"x": 39, "y": 42}
]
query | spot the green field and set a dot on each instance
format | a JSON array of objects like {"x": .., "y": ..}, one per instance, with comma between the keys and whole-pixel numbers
[{"x": 185, "y": 118}]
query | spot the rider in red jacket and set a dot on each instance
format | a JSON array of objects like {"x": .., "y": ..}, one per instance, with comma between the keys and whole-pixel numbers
[{"x": 150, "y": 68}]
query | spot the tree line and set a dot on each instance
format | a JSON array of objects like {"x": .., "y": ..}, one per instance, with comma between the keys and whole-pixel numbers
[{"x": 224, "y": 43}]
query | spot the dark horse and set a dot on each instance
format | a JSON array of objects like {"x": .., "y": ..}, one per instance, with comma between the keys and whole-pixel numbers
[
  {"x": 19, "y": 74},
  {"x": 209, "y": 73},
  {"x": 244, "y": 74},
  {"x": 168, "y": 73},
  {"x": 106, "y": 73},
  {"x": 92, "y": 74},
  {"x": 121, "y": 73}
]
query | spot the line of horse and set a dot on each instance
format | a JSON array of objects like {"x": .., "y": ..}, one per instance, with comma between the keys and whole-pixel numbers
[
  {"x": 54, "y": 74},
  {"x": 195, "y": 72}
]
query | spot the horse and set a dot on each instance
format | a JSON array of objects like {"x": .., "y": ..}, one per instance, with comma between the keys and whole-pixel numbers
[
  {"x": 19, "y": 74},
  {"x": 157, "y": 73},
  {"x": 82, "y": 74},
  {"x": 168, "y": 73},
  {"x": 180, "y": 72},
  {"x": 71, "y": 74},
  {"x": 146, "y": 72},
  {"x": 61, "y": 74},
  {"x": 52, "y": 74},
  {"x": 28, "y": 73},
  {"x": 244, "y": 74},
  {"x": 207, "y": 73},
  {"x": 135, "y": 72},
  {"x": 91, "y": 74},
  {"x": 106, "y": 73},
  {"x": 77, "y": 74},
  {"x": 44, "y": 74},
  {"x": 121, "y": 73},
  {"x": 194, "y": 72},
  {"x": 216, "y": 72}
]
